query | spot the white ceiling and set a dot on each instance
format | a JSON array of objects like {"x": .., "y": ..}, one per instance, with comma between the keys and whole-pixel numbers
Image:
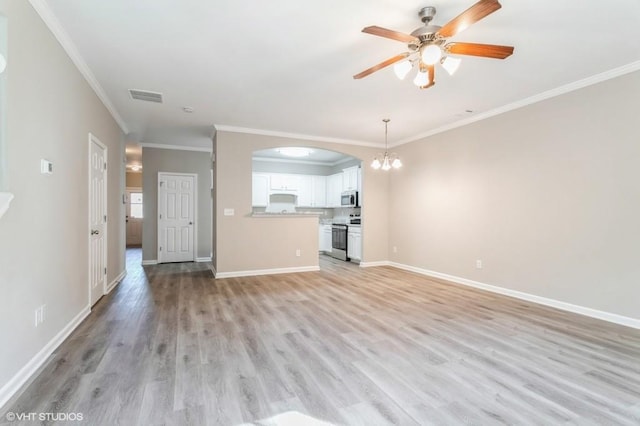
[{"x": 287, "y": 65}]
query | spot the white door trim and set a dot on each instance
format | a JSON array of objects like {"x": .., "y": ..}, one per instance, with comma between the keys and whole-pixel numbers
[
  {"x": 195, "y": 213},
  {"x": 94, "y": 139}
]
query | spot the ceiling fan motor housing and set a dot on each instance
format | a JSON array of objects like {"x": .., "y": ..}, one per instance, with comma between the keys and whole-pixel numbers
[{"x": 427, "y": 33}]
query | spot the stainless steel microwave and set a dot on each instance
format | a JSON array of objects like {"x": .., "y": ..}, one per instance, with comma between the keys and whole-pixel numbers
[{"x": 349, "y": 199}]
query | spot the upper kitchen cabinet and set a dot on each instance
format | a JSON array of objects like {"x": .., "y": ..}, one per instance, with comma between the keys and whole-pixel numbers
[
  {"x": 350, "y": 178},
  {"x": 313, "y": 191},
  {"x": 260, "y": 193},
  {"x": 316, "y": 176},
  {"x": 334, "y": 189},
  {"x": 284, "y": 183}
]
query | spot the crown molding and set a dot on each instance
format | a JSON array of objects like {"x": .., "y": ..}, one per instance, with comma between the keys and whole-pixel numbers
[
  {"x": 561, "y": 90},
  {"x": 176, "y": 147},
  {"x": 234, "y": 129},
  {"x": 51, "y": 21}
]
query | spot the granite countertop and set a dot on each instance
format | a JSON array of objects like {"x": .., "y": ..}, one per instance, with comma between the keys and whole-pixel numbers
[{"x": 285, "y": 214}]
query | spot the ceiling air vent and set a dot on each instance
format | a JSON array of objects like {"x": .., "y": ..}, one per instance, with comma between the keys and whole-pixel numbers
[{"x": 143, "y": 95}]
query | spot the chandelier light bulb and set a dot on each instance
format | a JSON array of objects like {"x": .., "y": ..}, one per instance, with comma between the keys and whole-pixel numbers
[
  {"x": 385, "y": 164},
  {"x": 431, "y": 54},
  {"x": 396, "y": 163},
  {"x": 376, "y": 163},
  {"x": 421, "y": 79},
  {"x": 402, "y": 69},
  {"x": 451, "y": 64}
]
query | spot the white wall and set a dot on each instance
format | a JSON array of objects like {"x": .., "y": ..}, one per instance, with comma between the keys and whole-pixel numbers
[
  {"x": 44, "y": 236},
  {"x": 547, "y": 196}
]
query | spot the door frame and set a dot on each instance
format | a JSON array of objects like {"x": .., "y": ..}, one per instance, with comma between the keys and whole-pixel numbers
[
  {"x": 94, "y": 139},
  {"x": 127, "y": 210},
  {"x": 195, "y": 212}
]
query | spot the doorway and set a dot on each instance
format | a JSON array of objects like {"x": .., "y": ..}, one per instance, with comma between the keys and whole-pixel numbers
[
  {"x": 176, "y": 217},
  {"x": 97, "y": 219},
  {"x": 134, "y": 217}
]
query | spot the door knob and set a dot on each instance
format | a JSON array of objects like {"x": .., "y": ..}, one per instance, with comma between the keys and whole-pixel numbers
[
  {"x": 190, "y": 223},
  {"x": 95, "y": 232}
]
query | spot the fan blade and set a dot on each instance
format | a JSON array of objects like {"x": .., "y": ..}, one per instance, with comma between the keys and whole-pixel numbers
[
  {"x": 394, "y": 35},
  {"x": 470, "y": 16},
  {"x": 476, "y": 49},
  {"x": 431, "y": 72},
  {"x": 381, "y": 65}
]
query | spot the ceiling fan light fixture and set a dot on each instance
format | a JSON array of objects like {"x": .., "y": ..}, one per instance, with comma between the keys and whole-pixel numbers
[
  {"x": 450, "y": 64},
  {"x": 422, "y": 79},
  {"x": 401, "y": 69},
  {"x": 431, "y": 54}
]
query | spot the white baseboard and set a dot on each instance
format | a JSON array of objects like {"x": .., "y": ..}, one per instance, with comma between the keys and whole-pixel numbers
[
  {"x": 593, "y": 313},
  {"x": 150, "y": 262},
  {"x": 25, "y": 373},
  {"x": 115, "y": 282},
  {"x": 203, "y": 259},
  {"x": 265, "y": 272},
  {"x": 378, "y": 263}
]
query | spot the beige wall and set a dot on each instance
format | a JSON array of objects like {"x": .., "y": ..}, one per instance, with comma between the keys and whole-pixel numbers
[
  {"x": 246, "y": 243},
  {"x": 214, "y": 200},
  {"x": 175, "y": 161},
  {"x": 134, "y": 180},
  {"x": 44, "y": 236},
  {"x": 547, "y": 196}
]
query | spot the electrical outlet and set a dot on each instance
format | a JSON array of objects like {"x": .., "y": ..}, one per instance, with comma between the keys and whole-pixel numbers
[
  {"x": 478, "y": 264},
  {"x": 297, "y": 252}
]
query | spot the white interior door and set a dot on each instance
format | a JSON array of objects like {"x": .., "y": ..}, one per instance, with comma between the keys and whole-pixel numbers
[
  {"x": 176, "y": 217},
  {"x": 134, "y": 217},
  {"x": 97, "y": 219}
]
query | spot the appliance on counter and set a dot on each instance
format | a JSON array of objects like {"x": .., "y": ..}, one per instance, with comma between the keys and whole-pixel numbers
[
  {"x": 339, "y": 241},
  {"x": 349, "y": 199}
]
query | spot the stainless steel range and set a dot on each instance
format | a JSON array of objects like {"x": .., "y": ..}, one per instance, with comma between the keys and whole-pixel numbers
[{"x": 339, "y": 241}]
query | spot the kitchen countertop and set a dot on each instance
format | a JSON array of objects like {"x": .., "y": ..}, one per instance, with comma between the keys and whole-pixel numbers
[{"x": 296, "y": 214}]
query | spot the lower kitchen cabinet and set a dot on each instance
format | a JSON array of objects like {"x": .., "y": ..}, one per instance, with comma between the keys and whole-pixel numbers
[
  {"x": 354, "y": 243},
  {"x": 324, "y": 238}
]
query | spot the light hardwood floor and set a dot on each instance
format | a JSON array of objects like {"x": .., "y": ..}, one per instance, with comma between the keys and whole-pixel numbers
[{"x": 345, "y": 345}]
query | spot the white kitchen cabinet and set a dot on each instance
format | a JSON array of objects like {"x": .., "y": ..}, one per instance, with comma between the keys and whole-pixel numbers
[
  {"x": 354, "y": 243},
  {"x": 324, "y": 238},
  {"x": 305, "y": 191},
  {"x": 334, "y": 189},
  {"x": 350, "y": 178},
  {"x": 284, "y": 183},
  {"x": 260, "y": 190},
  {"x": 319, "y": 191},
  {"x": 312, "y": 191}
]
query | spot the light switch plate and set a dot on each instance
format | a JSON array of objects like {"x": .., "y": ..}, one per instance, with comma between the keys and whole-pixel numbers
[
  {"x": 46, "y": 167},
  {"x": 229, "y": 212}
]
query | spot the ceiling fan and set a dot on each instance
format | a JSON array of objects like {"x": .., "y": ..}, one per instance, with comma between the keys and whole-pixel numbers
[{"x": 428, "y": 44}]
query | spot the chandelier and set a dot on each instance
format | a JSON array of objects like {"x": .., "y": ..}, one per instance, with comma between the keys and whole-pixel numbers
[{"x": 386, "y": 161}]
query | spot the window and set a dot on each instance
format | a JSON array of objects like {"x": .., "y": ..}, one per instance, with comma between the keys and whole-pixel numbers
[{"x": 135, "y": 203}]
